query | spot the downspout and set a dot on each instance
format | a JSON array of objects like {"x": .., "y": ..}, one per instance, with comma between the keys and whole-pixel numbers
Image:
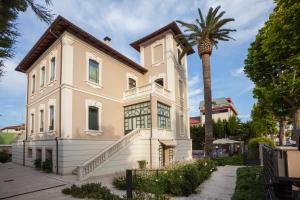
[
  {"x": 56, "y": 140},
  {"x": 23, "y": 152},
  {"x": 151, "y": 126},
  {"x": 60, "y": 81}
]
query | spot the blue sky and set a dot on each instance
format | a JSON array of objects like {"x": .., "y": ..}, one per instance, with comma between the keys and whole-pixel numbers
[{"x": 127, "y": 21}]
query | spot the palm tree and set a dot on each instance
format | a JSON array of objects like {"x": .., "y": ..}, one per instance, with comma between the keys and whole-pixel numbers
[{"x": 205, "y": 34}]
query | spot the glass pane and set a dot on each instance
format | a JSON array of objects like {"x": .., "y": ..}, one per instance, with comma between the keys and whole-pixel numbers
[
  {"x": 93, "y": 118},
  {"x": 132, "y": 83},
  {"x": 42, "y": 121},
  {"x": 93, "y": 71}
]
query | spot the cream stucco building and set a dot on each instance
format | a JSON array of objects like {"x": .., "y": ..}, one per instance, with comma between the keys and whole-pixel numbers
[
  {"x": 222, "y": 109},
  {"x": 93, "y": 111}
]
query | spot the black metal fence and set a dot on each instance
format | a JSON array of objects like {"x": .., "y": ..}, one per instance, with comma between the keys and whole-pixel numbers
[{"x": 278, "y": 187}]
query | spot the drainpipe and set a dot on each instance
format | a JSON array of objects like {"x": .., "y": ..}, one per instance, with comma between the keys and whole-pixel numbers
[
  {"x": 56, "y": 140},
  {"x": 151, "y": 126},
  {"x": 23, "y": 152},
  {"x": 60, "y": 80}
]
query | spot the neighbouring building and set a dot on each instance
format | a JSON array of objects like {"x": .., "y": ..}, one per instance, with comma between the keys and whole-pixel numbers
[
  {"x": 195, "y": 121},
  {"x": 13, "y": 129},
  {"x": 222, "y": 108},
  {"x": 93, "y": 111}
]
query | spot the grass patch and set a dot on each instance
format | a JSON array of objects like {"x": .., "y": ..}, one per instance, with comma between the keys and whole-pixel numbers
[
  {"x": 182, "y": 180},
  {"x": 249, "y": 184},
  {"x": 7, "y": 138},
  {"x": 236, "y": 160}
]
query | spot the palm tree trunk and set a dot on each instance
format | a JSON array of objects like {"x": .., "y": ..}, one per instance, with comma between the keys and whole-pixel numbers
[
  {"x": 208, "y": 147},
  {"x": 282, "y": 127}
]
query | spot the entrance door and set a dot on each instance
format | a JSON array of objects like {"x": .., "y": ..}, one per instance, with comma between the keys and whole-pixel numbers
[{"x": 166, "y": 155}]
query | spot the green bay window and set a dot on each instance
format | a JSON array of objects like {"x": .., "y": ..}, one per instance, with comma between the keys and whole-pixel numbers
[
  {"x": 137, "y": 116},
  {"x": 93, "y": 71},
  {"x": 93, "y": 118},
  {"x": 163, "y": 116}
]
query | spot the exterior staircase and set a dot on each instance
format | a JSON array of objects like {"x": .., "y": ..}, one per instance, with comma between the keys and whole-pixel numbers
[{"x": 86, "y": 169}]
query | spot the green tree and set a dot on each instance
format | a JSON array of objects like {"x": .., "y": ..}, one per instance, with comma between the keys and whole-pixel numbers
[
  {"x": 10, "y": 10},
  {"x": 205, "y": 34},
  {"x": 273, "y": 60}
]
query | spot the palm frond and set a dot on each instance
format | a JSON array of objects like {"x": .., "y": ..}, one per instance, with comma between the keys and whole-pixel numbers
[{"x": 42, "y": 13}]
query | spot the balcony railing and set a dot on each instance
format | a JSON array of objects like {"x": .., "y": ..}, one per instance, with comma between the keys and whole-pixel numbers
[{"x": 146, "y": 90}]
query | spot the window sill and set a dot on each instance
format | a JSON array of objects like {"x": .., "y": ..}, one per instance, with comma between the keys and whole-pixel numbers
[
  {"x": 42, "y": 88},
  {"x": 51, "y": 83},
  {"x": 93, "y": 132},
  {"x": 94, "y": 85}
]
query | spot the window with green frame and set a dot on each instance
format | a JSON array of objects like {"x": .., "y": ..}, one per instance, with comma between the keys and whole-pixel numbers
[
  {"x": 137, "y": 116},
  {"x": 93, "y": 118},
  {"x": 93, "y": 71},
  {"x": 163, "y": 116}
]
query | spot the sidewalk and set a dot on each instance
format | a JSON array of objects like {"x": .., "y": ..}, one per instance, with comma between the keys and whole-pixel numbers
[{"x": 220, "y": 186}]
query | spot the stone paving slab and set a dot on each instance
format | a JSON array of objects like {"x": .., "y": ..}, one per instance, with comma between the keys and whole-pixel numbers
[
  {"x": 220, "y": 186},
  {"x": 17, "y": 180}
]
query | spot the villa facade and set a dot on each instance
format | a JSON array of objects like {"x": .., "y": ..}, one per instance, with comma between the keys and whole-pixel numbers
[{"x": 93, "y": 111}]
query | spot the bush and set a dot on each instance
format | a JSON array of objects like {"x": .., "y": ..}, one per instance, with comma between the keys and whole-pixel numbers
[
  {"x": 180, "y": 181},
  {"x": 120, "y": 182},
  {"x": 47, "y": 166},
  {"x": 90, "y": 191},
  {"x": 253, "y": 146},
  {"x": 142, "y": 164},
  {"x": 4, "y": 156},
  {"x": 249, "y": 184},
  {"x": 7, "y": 138},
  {"x": 37, "y": 163},
  {"x": 229, "y": 160}
]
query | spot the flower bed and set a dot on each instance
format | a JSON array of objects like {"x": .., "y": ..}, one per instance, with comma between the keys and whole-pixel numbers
[{"x": 182, "y": 180}]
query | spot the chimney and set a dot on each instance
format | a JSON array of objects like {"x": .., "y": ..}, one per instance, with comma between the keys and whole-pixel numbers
[{"x": 107, "y": 40}]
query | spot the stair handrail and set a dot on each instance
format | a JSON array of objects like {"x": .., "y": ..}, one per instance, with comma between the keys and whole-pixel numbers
[{"x": 91, "y": 164}]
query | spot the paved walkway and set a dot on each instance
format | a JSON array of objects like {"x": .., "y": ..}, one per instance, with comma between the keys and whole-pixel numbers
[{"x": 220, "y": 186}]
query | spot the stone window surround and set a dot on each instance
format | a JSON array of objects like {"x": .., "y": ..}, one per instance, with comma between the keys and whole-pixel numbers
[
  {"x": 158, "y": 76},
  {"x": 52, "y": 54},
  {"x": 99, "y": 60},
  {"x": 88, "y": 103},
  {"x": 32, "y": 111},
  {"x": 43, "y": 64},
  {"x": 42, "y": 107},
  {"x": 130, "y": 75},
  {"x": 51, "y": 102}
]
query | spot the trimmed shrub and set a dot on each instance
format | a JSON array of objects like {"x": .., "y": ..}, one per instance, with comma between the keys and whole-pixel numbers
[
  {"x": 4, "y": 156},
  {"x": 229, "y": 160},
  {"x": 182, "y": 180},
  {"x": 37, "y": 163},
  {"x": 253, "y": 146},
  {"x": 119, "y": 182},
  {"x": 142, "y": 164},
  {"x": 47, "y": 166},
  {"x": 90, "y": 191}
]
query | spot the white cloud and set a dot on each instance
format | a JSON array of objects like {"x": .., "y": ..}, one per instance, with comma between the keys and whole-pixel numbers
[
  {"x": 13, "y": 82},
  {"x": 195, "y": 94},
  {"x": 237, "y": 72},
  {"x": 244, "y": 117}
]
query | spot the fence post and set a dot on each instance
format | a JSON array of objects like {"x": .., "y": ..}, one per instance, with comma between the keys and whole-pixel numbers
[{"x": 129, "y": 183}]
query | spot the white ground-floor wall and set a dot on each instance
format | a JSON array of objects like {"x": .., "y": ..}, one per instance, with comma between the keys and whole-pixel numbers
[{"x": 72, "y": 153}]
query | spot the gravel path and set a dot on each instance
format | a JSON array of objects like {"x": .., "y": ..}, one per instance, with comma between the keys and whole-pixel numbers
[{"x": 220, "y": 186}]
